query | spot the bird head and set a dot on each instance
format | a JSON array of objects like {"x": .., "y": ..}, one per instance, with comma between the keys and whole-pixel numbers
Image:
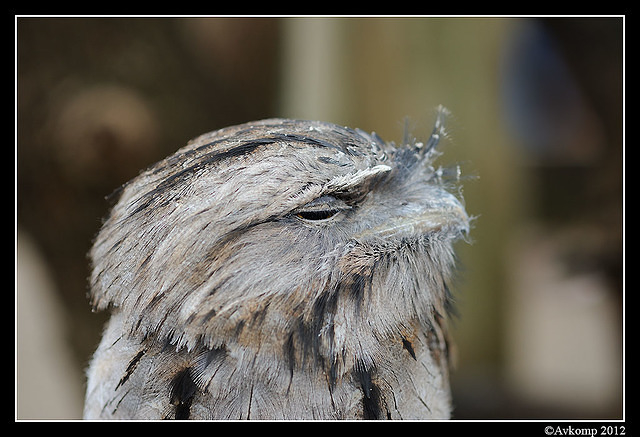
[{"x": 300, "y": 237}]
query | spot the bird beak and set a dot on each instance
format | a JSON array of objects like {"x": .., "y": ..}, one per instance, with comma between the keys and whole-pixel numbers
[{"x": 447, "y": 215}]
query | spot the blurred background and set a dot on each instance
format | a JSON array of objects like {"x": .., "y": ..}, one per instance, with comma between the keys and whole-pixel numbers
[{"x": 536, "y": 127}]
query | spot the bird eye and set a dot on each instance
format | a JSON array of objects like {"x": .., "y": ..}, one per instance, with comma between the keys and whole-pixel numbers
[
  {"x": 316, "y": 215},
  {"x": 322, "y": 208}
]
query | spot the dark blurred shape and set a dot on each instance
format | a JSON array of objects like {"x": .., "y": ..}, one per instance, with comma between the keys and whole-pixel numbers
[
  {"x": 593, "y": 50},
  {"x": 545, "y": 108},
  {"x": 563, "y": 87},
  {"x": 103, "y": 130}
]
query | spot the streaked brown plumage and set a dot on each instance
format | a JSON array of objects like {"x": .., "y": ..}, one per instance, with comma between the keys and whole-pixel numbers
[{"x": 280, "y": 269}]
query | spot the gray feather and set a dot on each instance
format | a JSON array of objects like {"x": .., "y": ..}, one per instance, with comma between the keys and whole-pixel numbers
[{"x": 280, "y": 269}]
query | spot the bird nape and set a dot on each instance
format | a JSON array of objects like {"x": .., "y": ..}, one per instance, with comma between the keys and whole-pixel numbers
[{"x": 279, "y": 269}]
